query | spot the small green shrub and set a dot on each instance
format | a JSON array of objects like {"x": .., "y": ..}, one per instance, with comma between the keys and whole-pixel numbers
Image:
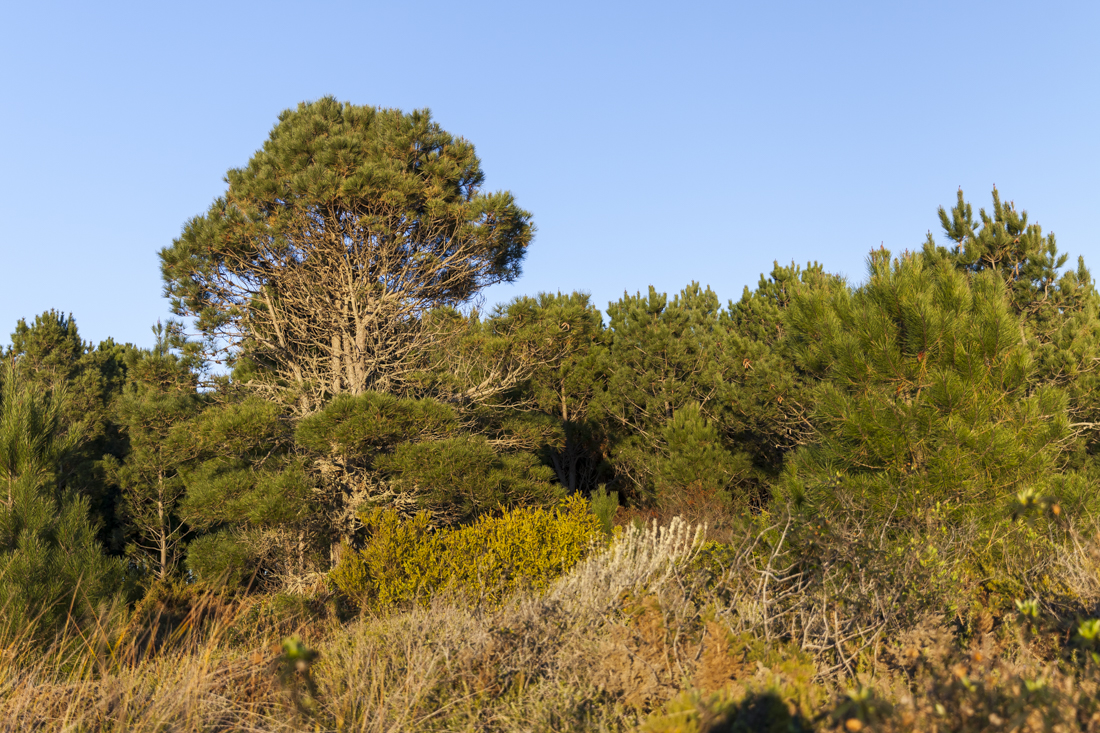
[
  {"x": 222, "y": 557},
  {"x": 604, "y": 506},
  {"x": 526, "y": 547}
]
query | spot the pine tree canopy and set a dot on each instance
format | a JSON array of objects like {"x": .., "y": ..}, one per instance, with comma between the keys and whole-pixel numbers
[
  {"x": 50, "y": 356},
  {"x": 350, "y": 223},
  {"x": 927, "y": 394},
  {"x": 1060, "y": 308}
]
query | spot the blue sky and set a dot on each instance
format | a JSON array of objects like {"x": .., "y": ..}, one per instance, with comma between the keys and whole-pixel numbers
[{"x": 655, "y": 143}]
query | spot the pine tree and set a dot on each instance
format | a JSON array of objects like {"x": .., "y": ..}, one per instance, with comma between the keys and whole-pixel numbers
[
  {"x": 525, "y": 376},
  {"x": 770, "y": 407},
  {"x": 695, "y": 457},
  {"x": 926, "y": 394},
  {"x": 248, "y": 495},
  {"x": 49, "y": 354},
  {"x": 51, "y": 565},
  {"x": 159, "y": 395},
  {"x": 663, "y": 357},
  {"x": 419, "y": 453},
  {"x": 326, "y": 250},
  {"x": 564, "y": 388},
  {"x": 1060, "y": 309}
]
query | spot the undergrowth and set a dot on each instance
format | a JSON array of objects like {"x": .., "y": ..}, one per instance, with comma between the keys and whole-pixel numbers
[{"x": 790, "y": 624}]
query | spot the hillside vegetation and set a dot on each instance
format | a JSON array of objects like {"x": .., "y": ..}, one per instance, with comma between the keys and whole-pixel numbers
[{"x": 336, "y": 496}]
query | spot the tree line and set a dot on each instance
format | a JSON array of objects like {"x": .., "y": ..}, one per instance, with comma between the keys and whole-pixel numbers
[{"x": 329, "y": 359}]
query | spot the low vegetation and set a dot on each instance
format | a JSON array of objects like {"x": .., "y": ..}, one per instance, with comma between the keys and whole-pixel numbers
[{"x": 793, "y": 626}]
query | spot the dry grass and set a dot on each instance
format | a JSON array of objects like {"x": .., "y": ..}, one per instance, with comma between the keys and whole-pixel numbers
[
  {"x": 99, "y": 681},
  {"x": 785, "y": 614}
]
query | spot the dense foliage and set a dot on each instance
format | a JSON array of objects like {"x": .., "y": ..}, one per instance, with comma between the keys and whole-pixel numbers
[
  {"x": 523, "y": 548},
  {"x": 911, "y": 454}
]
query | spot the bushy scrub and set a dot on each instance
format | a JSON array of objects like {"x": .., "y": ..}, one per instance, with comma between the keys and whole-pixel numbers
[
  {"x": 420, "y": 448},
  {"x": 405, "y": 560},
  {"x": 927, "y": 398}
]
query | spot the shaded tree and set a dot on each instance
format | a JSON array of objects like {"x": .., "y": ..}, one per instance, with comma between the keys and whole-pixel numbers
[
  {"x": 159, "y": 395},
  {"x": 525, "y": 376},
  {"x": 52, "y": 567},
  {"x": 769, "y": 408},
  {"x": 663, "y": 357},
  {"x": 49, "y": 356}
]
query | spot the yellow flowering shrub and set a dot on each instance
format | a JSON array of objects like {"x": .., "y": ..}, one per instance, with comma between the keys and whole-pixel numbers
[{"x": 405, "y": 560}]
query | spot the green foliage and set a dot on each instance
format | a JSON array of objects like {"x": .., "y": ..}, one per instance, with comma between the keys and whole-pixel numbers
[
  {"x": 262, "y": 269},
  {"x": 604, "y": 505},
  {"x": 159, "y": 395},
  {"x": 227, "y": 491},
  {"x": 420, "y": 447},
  {"x": 51, "y": 565},
  {"x": 249, "y": 429},
  {"x": 926, "y": 394},
  {"x": 463, "y": 476},
  {"x": 244, "y": 478},
  {"x": 773, "y": 398},
  {"x": 663, "y": 357},
  {"x": 696, "y": 456},
  {"x": 226, "y": 558},
  {"x": 1060, "y": 309},
  {"x": 50, "y": 355},
  {"x": 405, "y": 561},
  {"x": 360, "y": 426},
  {"x": 544, "y": 355},
  {"x": 244, "y": 473},
  {"x": 1007, "y": 244}
]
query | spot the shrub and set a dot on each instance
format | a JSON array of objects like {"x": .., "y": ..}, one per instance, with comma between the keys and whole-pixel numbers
[
  {"x": 222, "y": 557},
  {"x": 928, "y": 396},
  {"x": 405, "y": 560},
  {"x": 604, "y": 506}
]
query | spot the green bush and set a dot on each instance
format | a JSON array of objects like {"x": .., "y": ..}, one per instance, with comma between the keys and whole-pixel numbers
[
  {"x": 222, "y": 557},
  {"x": 928, "y": 397},
  {"x": 526, "y": 547},
  {"x": 604, "y": 506}
]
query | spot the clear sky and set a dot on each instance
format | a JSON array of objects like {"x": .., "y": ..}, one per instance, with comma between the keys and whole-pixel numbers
[{"x": 655, "y": 143}]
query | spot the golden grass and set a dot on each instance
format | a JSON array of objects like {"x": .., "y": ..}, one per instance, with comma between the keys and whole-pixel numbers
[{"x": 618, "y": 643}]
